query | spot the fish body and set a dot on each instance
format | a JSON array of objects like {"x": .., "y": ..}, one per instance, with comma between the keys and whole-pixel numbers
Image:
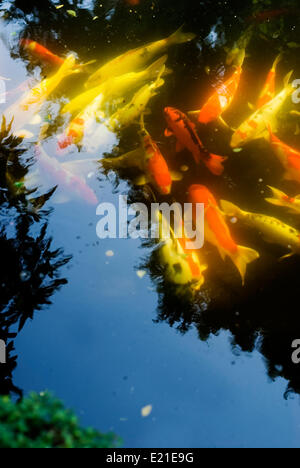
[
  {"x": 182, "y": 266},
  {"x": 217, "y": 231},
  {"x": 221, "y": 99},
  {"x": 150, "y": 161},
  {"x": 272, "y": 229},
  {"x": 279, "y": 198},
  {"x": 255, "y": 127},
  {"x": 137, "y": 106},
  {"x": 116, "y": 87},
  {"x": 136, "y": 59},
  {"x": 79, "y": 125},
  {"x": 41, "y": 52},
  {"x": 289, "y": 157},
  {"x": 184, "y": 130},
  {"x": 269, "y": 91}
]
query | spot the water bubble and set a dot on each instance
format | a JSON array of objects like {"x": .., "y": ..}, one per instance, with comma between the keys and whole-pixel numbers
[{"x": 25, "y": 275}]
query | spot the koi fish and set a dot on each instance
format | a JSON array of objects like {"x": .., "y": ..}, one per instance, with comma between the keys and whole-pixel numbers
[
  {"x": 289, "y": 157},
  {"x": 182, "y": 266},
  {"x": 149, "y": 160},
  {"x": 137, "y": 106},
  {"x": 137, "y": 59},
  {"x": 45, "y": 55},
  {"x": 40, "y": 52},
  {"x": 268, "y": 93},
  {"x": 63, "y": 177},
  {"x": 116, "y": 87},
  {"x": 77, "y": 127},
  {"x": 281, "y": 199},
  {"x": 273, "y": 230},
  {"x": 255, "y": 127},
  {"x": 217, "y": 231},
  {"x": 184, "y": 130},
  {"x": 31, "y": 102},
  {"x": 220, "y": 100}
]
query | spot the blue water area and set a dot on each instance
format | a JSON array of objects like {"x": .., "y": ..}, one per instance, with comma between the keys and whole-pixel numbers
[{"x": 92, "y": 319}]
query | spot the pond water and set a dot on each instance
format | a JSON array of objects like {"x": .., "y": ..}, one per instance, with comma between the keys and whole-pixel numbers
[{"x": 93, "y": 320}]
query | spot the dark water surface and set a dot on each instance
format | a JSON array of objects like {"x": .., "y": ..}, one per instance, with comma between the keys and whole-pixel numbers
[{"x": 217, "y": 370}]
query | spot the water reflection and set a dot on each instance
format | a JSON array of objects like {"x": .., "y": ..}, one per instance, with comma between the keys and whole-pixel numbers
[
  {"x": 262, "y": 315},
  {"x": 30, "y": 268}
]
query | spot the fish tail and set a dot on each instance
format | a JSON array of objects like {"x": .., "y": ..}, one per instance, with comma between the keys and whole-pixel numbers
[
  {"x": 179, "y": 37},
  {"x": 277, "y": 60},
  {"x": 287, "y": 84},
  {"x": 215, "y": 164},
  {"x": 155, "y": 68},
  {"x": 278, "y": 199},
  {"x": 242, "y": 257},
  {"x": 231, "y": 210}
]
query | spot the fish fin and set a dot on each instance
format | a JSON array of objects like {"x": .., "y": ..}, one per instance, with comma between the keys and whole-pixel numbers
[
  {"x": 168, "y": 71},
  {"x": 168, "y": 133},
  {"x": 141, "y": 180},
  {"x": 179, "y": 147},
  {"x": 242, "y": 257},
  {"x": 131, "y": 159},
  {"x": 289, "y": 255},
  {"x": 194, "y": 113},
  {"x": 179, "y": 37},
  {"x": 231, "y": 210},
  {"x": 278, "y": 197},
  {"x": 176, "y": 176},
  {"x": 154, "y": 69},
  {"x": 251, "y": 106},
  {"x": 215, "y": 164},
  {"x": 286, "y": 82}
]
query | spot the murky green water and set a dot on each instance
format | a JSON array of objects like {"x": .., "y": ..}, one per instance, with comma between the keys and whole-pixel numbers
[{"x": 108, "y": 334}]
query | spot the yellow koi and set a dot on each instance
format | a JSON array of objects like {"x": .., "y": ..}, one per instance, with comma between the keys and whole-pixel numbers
[
  {"x": 255, "y": 127},
  {"x": 136, "y": 59},
  {"x": 273, "y": 230},
  {"x": 137, "y": 106},
  {"x": 116, "y": 87}
]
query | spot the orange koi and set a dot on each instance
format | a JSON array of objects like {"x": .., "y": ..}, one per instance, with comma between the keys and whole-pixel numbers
[
  {"x": 184, "y": 130},
  {"x": 269, "y": 91},
  {"x": 221, "y": 99},
  {"x": 40, "y": 52},
  {"x": 217, "y": 231}
]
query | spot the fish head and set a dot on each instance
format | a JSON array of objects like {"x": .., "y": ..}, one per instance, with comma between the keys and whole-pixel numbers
[
  {"x": 172, "y": 115},
  {"x": 200, "y": 194}
]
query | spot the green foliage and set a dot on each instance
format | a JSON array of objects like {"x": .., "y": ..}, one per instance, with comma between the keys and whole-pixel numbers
[{"x": 42, "y": 421}]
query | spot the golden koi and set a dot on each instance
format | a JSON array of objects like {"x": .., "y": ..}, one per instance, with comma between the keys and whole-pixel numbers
[
  {"x": 116, "y": 87},
  {"x": 255, "y": 127},
  {"x": 136, "y": 59},
  {"x": 182, "y": 267},
  {"x": 273, "y": 230},
  {"x": 137, "y": 106}
]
